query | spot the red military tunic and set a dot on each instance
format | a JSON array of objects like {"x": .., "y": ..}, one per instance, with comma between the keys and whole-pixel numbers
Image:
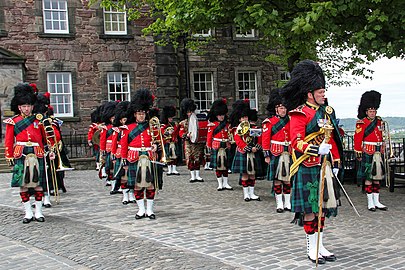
[
  {"x": 300, "y": 141},
  {"x": 367, "y": 143},
  {"x": 92, "y": 129},
  {"x": 142, "y": 142},
  {"x": 106, "y": 140},
  {"x": 274, "y": 143},
  {"x": 214, "y": 141},
  {"x": 174, "y": 135}
]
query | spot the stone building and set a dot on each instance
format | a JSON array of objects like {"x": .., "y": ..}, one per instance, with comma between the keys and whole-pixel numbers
[{"x": 84, "y": 56}]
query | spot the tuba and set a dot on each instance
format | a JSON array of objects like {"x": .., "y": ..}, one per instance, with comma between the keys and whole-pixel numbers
[
  {"x": 156, "y": 133},
  {"x": 244, "y": 129}
]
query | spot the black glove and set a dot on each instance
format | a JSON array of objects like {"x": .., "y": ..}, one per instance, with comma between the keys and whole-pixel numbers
[
  {"x": 259, "y": 147},
  {"x": 124, "y": 162},
  {"x": 248, "y": 148}
]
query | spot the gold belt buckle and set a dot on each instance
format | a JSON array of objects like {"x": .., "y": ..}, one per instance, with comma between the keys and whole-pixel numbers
[{"x": 28, "y": 143}]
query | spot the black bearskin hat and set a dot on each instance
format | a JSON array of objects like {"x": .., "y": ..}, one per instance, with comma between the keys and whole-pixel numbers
[
  {"x": 168, "y": 111},
  {"x": 42, "y": 103},
  {"x": 307, "y": 76},
  {"x": 23, "y": 94},
  {"x": 108, "y": 111},
  {"x": 274, "y": 101},
  {"x": 253, "y": 115},
  {"x": 142, "y": 100},
  {"x": 218, "y": 107},
  {"x": 187, "y": 105},
  {"x": 95, "y": 115},
  {"x": 121, "y": 111},
  {"x": 240, "y": 109},
  {"x": 369, "y": 100},
  {"x": 154, "y": 112}
]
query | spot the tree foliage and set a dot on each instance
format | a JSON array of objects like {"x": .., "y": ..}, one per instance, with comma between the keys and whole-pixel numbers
[{"x": 344, "y": 35}]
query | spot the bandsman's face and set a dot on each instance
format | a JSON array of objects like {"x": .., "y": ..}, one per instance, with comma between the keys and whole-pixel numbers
[
  {"x": 123, "y": 120},
  {"x": 220, "y": 117},
  {"x": 244, "y": 118},
  {"x": 318, "y": 96},
  {"x": 140, "y": 117},
  {"x": 371, "y": 113},
  {"x": 26, "y": 109},
  {"x": 281, "y": 111}
]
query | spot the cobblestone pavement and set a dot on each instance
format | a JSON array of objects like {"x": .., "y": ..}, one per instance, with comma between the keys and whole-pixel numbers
[{"x": 196, "y": 227}]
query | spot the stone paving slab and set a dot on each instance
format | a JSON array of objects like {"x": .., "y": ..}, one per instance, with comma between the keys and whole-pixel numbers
[{"x": 198, "y": 227}]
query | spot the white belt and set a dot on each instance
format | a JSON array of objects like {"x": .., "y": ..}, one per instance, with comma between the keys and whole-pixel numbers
[
  {"x": 109, "y": 141},
  {"x": 140, "y": 148},
  {"x": 280, "y": 143},
  {"x": 221, "y": 140},
  {"x": 373, "y": 143},
  {"x": 27, "y": 143}
]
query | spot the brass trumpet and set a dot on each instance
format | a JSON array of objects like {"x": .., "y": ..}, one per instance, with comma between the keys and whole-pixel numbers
[
  {"x": 243, "y": 129},
  {"x": 155, "y": 127}
]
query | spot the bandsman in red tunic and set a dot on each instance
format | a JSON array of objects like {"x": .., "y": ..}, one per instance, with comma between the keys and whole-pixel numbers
[
  {"x": 93, "y": 135},
  {"x": 170, "y": 133},
  {"x": 138, "y": 154},
  {"x": 276, "y": 147},
  {"x": 369, "y": 148},
  {"x": 304, "y": 97},
  {"x": 107, "y": 117},
  {"x": 218, "y": 142},
  {"x": 24, "y": 150},
  {"x": 192, "y": 132},
  {"x": 245, "y": 161}
]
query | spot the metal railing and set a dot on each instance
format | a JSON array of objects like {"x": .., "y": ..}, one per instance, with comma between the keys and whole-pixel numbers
[{"x": 76, "y": 145}]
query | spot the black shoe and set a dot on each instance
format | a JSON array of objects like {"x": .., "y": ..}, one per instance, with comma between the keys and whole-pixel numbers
[
  {"x": 202, "y": 180},
  {"x": 112, "y": 192},
  {"x": 220, "y": 189},
  {"x": 47, "y": 205},
  {"x": 193, "y": 181},
  {"x": 247, "y": 199},
  {"x": 140, "y": 217},
  {"x": 385, "y": 208},
  {"x": 27, "y": 220},
  {"x": 279, "y": 210},
  {"x": 321, "y": 260},
  {"x": 372, "y": 209},
  {"x": 330, "y": 258},
  {"x": 258, "y": 199},
  {"x": 125, "y": 202},
  {"x": 152, "y": 216},
  {"x": 168, "y": 174},
  {"x": 227, "y": 188},
  {"x": 40, "y": 219},
  {"x": 175, "y": 173},
  {"x": 63, "y": 189},
  {"x": 287, "y": 209},
  {"x": 107, "y": 184}
]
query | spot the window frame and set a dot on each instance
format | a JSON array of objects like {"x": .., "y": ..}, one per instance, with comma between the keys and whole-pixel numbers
[
  {"x": 237, "y": 35},
  {"x": 51, "y": 31},
  {"x": 128, "y": 83},
  {"x": 208, "y": 102},
  {"x": 53, "y": 94},
  {"x": 257, "y": 86},
  {"x": 125, "y": 22},
  {"x": 201, "y": 34}
]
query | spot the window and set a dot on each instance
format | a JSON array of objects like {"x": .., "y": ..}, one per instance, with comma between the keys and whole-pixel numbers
[
  {"x": 285, "y": 76},
  {"x": 118, "y": 86},
  {"x": 55, "y": 16},
  {"x": 245, "y": 34},
  {"x": 203, "y": 33},
  {"x": 203, "y": 90},
  {"x": 247, "y": 87},
  {"x": 115, "y": 22},
  {"x": 60, "y": 88}
]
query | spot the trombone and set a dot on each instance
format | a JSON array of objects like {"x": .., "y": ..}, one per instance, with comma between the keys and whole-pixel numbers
[
  {"x": 154, "y": 126},
  {"x": 388, "y": 151}
]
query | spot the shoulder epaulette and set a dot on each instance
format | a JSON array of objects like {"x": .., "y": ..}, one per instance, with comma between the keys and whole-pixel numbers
[
  {"x": 116, "y": 129},
  {"x": 9, "y": 121},
  {"x": 379, "y": 118},
  {"x": 104, "y": 127},
  {"x": 124, "y": 127},
  {"x": 360, "y": 121},
  {"x": 267, "y": 120},
  {"x": 211, "y": 124},
  {"x": 299, "y": 109}
]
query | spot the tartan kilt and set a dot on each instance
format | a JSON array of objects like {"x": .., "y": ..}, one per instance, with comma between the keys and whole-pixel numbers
[
  {"x": 214, "y": 156},
  {"x": 300, "y": 192},
  {"x": 117, "y": 167},
  {"x": 177, "y": 150},
  {"x": 271, "y": 171},
  {"x": 239, "y": 164},
  {"x": 108, "y": 162},
  {"x": 366, "y": 163},
  {"x": 18, "y": 170},
  {"x": 133, "y": 169}
]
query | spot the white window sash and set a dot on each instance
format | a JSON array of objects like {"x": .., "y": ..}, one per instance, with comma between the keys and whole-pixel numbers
[
  {"x": 50, "y": 13},
  {"x": 203, "y": 104},
  {"x": 61, "y": 99},
  {"x": 203, "y": 33},
  {"x": 118, "y": 80},
  {"x": 110, "y": 19},
  {"x": 247, "y": 34},
  {"x": 253, "y": 104}
]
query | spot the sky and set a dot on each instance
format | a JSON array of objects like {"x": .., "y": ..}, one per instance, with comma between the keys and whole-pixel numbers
[{"x": 388, "y": 79}]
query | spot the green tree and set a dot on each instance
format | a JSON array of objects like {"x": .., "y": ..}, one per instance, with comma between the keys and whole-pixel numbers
[{"x": 345, "y": 35}]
